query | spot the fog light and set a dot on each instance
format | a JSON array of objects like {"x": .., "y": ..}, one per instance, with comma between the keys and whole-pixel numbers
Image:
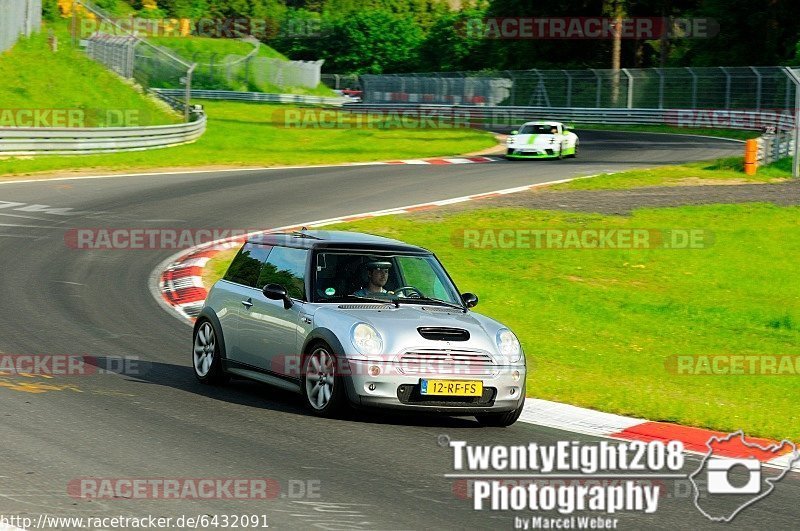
[
  {"x": 374, "y": 370},
  {"x": 515, "y": 376},
  {"x": 371, "y": 387}
]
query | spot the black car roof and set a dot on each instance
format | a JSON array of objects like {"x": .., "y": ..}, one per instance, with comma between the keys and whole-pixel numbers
[{"x": 335, "y": 240}]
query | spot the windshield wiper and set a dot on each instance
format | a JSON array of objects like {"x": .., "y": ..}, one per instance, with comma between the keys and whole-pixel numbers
[{"x": 439, "y": 301}]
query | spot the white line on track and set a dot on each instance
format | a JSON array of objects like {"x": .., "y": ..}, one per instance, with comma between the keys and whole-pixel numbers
[{"x": 30, "y": 226}]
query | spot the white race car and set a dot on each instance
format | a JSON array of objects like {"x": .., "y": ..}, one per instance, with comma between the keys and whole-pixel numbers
[{"x": 541, "y": 140}]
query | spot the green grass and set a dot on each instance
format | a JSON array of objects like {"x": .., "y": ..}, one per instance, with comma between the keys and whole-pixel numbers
[
  {"x": 210, "y": 53},
  {"x": 216, "y": 267},
  {"x": 201, "y": 49},
  {"x": 598, "y": 325},
  {"x": 707, "y": 172},
  {"x": 248, "y": 134},
  {"x": 724, "y": 133},
  {"x": 33, "y": 77}
]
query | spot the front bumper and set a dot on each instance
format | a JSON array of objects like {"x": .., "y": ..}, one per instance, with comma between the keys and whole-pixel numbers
[
  {"x": 502, "y": 392},
  {"x": 514, "y": 153}
]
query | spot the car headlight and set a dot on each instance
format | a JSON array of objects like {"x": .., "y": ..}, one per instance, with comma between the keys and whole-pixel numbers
[
  {"x": 366, "y": 339},
  {"x": 508, "y": 344},
  {"x": 510, "y": 140}
]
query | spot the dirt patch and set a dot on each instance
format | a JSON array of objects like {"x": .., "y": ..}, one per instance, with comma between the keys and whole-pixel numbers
[
  {"x": 622, "y": 202},
  {"x": 696, "y": 181},
  {"x": 499, "y": 149}
]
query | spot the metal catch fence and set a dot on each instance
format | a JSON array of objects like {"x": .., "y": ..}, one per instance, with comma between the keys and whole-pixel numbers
[{"x": 18, "y": 17}]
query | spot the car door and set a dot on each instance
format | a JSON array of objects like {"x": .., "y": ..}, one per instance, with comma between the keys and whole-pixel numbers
[
  {"x": 238, "y": 285},
  {"x": 268, "y": 332}
]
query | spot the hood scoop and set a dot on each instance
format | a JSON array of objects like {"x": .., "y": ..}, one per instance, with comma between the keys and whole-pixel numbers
[
  {"x": 440, "y": 333},
  {"x": 366, "y": 306}
]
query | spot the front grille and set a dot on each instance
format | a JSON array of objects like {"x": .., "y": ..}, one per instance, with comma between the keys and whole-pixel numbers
[
  {"x": 450, "y": 362},
  {"x": 440, "y": 333},
  {"x": 410, "y": 394}
]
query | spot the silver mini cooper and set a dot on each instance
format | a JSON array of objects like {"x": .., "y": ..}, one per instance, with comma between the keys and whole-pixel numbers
[{"x": 353, "y": 319}]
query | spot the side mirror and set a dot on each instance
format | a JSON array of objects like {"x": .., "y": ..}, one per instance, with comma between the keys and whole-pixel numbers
[
  {"x": 277, "y": 292},
  {"x": 470, "y": 300},
  {"x": 515, "y": 132}
]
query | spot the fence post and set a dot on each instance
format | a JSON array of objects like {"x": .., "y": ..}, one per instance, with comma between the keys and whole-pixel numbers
[
  {"x": 660, "y": 88},
  {"x": 795, "y": 78},
  {"x": 513, "y": 85},
  {"x": 569, "y": 88},
  {"x": 630, "y": 88},
  {"x": 694, "y": 87},
  {"x": 599, "y": 87},
  {"x": 758, "y": 88},
  {"x": 727, "y": 87},
  {"x": 188, "y": 101}
]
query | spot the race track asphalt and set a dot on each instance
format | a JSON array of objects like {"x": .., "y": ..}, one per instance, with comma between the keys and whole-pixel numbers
[{"x": 373, "y": 471}]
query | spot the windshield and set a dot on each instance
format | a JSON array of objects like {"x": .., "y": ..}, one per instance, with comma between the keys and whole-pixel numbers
[
  {"x": 538, "y": 129},
  {"x": 398, "y": 278}
]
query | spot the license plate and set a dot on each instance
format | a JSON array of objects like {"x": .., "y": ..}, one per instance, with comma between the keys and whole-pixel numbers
[{"x": 451, "y": 387}]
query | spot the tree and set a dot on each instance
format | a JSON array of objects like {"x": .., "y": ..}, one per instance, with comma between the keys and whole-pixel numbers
[
  {"x": 449, "y": 45},
  {"x": 748, "y": 35},
  {"x": 370, "y": 42}
]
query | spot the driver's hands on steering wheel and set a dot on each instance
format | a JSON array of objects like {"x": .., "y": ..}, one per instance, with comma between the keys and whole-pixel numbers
[{"x": 413, "y": 293}]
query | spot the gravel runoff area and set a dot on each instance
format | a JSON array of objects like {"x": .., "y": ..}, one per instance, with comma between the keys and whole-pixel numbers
[{"x": 622, "y": 202}]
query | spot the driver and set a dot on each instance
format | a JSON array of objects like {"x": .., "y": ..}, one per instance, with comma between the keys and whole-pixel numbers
[{"x": 377, "y": 276}]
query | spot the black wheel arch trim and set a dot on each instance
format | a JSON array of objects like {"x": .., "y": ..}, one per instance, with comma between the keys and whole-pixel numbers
[
  {"x": 323, "y": 334},
  {"x": 210, "y": 315}
]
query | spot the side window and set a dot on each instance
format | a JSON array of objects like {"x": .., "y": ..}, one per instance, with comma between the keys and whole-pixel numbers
[
  {"x": 246, "y": 265},
  {"x": 286, "y": 266}
]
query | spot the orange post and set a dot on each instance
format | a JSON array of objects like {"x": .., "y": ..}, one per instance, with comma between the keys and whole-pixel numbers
[{"x": 750, "y": 156}]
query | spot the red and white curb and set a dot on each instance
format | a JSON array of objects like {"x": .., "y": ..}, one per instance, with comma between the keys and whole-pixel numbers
[
  {"x": 180, "y": 287},
  {"x": 608, "y": 425},
  {"x": 449, "y": 160},
  {"x": 180, "y": 277}
]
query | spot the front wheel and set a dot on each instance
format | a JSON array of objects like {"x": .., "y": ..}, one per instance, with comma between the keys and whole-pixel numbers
[
  {"x": 500, "y": 420},
  {"x": 322, "y": 386},
  {"x": 206, "y": 359}
]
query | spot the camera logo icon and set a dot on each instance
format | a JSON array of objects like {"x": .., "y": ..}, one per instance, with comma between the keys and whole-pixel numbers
[
  {"x": 732, "y": 476},
  {"x": 720, "y": 472}
]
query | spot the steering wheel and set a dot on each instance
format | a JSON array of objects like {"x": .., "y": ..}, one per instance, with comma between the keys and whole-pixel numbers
[{"x": 414, "y": 293}]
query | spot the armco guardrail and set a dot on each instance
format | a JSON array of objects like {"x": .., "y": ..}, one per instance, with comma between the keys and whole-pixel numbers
[
  {"x": 775, "y": 146},
  {"x": 75, "y": 141},
  {"x": 501, "y": 116},
  {"x": 264, "y": 97}
]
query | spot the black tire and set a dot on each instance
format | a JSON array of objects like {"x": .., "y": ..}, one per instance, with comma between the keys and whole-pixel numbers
[
  {"x": 321, "y": 385},
  {"x": 206, "y": 357},
  {"x": 575, "y": 153},
  {"x": 500, "y": 420}
]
